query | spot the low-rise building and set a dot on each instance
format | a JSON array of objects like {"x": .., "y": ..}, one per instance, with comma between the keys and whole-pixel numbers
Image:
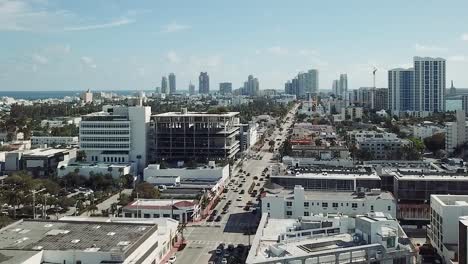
[
  {"x": 443, "y": 231},
  {"x": 210, "y": 172},
  {"x": 374, "y": 237},
  {"x": 181, "y": 210},
  {"x": 426, "y": 129},
  {"x": 351, "y": 113},
  {"x": 456, "y": 132},
  {"x": 53, "y": 141},
  {"x": 281, "y": 203},
  {"x": 86, "y": 241},
  {"x": 86, "y": 169},
  {"x": 379, "y": 145}
]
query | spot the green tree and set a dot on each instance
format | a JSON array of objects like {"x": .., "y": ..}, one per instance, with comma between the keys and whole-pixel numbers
[
  {"x": 146, "y": 190},
  {"x": 435, "y": 142}
]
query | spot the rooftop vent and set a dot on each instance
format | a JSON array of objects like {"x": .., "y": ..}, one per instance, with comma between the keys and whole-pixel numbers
[
  {"x": 48, "y": 225},
  {"x": 111, "y": 233},
  {"x": 123, "y": 243},
  {"x": 75, "y": 241},
  {"x": 38, "y": 248},
  {"x": 97, "y": 227}
]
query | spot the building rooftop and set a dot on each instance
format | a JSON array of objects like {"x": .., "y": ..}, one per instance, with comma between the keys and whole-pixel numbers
[
  {"x": 72, "y": 235},
  {"x": 15, "y": 256},
  {"x": 197, "y": 114},
  {"x": 451, "y": 200},
  {"x": 41, "y": 152},
  {"x": 331, "y": 175},
  {"x": 155, "y": 204},
  {"x": 334, "y": 196}
]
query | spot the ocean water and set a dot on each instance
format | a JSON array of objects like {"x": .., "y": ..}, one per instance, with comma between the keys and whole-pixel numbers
[
  {"x": 453, "y": 104},
  {"x": 33, "y": 95}
]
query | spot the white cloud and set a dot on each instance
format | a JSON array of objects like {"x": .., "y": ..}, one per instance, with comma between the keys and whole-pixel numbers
[
  {"x": 172, "y": 57},
  {"x": 115, "y": 23},
  {"x": 37, "y": 58},
  {"x": 277, "y": 50},
  {"x": 88, "y": 61},
  {"x": 429, "y": 48},
  {"x": 464, "y": 36},
  {"x": 174, "y": 27},
  {"x": 457, "y": 58}
]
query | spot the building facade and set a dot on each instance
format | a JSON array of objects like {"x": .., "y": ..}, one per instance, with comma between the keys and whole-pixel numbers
[
  {"x": 225, "y": 88},
  {"x": 164, "y": 85},
  {"x": 191, "y": 89},
  {"x": 284, "y": 204},
  {"x": 172, "y": 83},
  {"x": 53, "y": 141},
  {"x": 195, "y": 136},
  {"x": 204, "y": 83},
  {"x": 118, "y": 134},
  {"x": 456, "y": 132}
]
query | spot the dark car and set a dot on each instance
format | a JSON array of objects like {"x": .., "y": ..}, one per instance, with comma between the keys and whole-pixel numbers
[
  {"x": 255, "y": 177},
  {"x": 218, "y": 218},
  {"x": 258, "y": 184},
  {"x": 247, "y": 207},
  {"x": 210, "y": 219},
  {"x": 242, "y": 192},
  {"x": 261, "y": 179}
]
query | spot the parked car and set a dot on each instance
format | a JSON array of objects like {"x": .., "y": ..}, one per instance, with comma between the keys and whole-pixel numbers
[
  {"x": 172, "y": 259},
  {"x": 239, "y": 198},
  {"x": 218, "y": 218}
]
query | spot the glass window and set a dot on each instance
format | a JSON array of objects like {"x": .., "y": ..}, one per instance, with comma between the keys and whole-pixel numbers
[
  {"x": 288, "y": 213},
  {"x": 324, "y": 204},
  {"x": 354, "y": 205},
  {"x": 306, "y": 204},
  {"x": 288, "y": 203}
]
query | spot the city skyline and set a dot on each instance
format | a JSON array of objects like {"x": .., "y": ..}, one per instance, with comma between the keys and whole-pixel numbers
[{"x": 52, "y": 45}]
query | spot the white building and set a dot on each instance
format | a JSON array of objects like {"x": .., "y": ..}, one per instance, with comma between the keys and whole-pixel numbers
[
  {"x": 426, "y": 129},
  {"x": 86, "y": 169},
  {"x": 299, "y": 203},
  {"x": 208, "y": 173},
  {"x": 118, "y": 134},
  {"x": 249, "y": 135},
  {"x": 90, "y": 241},
  {"x": 51, "y": 141},
  {"x": 351, "y": 113},
  {"x": 370, "y": 238},
  {"x": 456, "y": 132},
  {"x": 87, "y": 97},
  {"x": 443, "y": 231},
  {"x": 181, "y": 210}
]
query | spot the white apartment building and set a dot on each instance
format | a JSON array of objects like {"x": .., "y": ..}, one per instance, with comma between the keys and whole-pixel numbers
[
  {"x": 51, "y": 141},
  {"x": 118, "y": 134},
  {"x": 456, "y": 132},
  {"x": 426, "y": 129},
  {"x": 89, "y": 240},
  {"x": 299, "y": 203},
  {"x": 333, "y": 238},
  {"x": 381, "y": 145},
  {"x": 443, "y": 230},
  {"x": 87, "y": 97}
]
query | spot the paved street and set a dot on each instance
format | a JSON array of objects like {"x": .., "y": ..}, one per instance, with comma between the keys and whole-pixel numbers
[
  {"x": 203, "y": 238},
  {"x": 106, "y": 204}
]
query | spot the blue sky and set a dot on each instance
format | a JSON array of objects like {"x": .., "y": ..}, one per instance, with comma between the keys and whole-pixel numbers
[{"x": 115, "y": 45}]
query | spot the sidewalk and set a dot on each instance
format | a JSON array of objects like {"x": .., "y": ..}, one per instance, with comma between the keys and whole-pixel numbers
[{"x": 173, "y": 250}]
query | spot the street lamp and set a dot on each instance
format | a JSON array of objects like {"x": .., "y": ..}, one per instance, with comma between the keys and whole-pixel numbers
[{"x": 34, "y": 201}]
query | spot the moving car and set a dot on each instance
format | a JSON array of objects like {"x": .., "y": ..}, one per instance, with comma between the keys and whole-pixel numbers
[
  {"x": 239, "y": 198},
  {"x": 172, "y": 259}
]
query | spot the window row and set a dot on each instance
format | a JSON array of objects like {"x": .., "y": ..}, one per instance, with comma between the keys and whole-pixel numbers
[
  {"x": 104, "y": 139},
  {"x": 104, "y": 125},
  {"x": 104, "y": 132},
  {"x": 104, "y": 146}
]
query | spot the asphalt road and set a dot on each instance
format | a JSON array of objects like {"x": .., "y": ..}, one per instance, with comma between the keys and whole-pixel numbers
[{"x": 203, "y": 238}]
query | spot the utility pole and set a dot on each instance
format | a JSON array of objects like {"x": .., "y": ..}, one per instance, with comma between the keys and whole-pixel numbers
[
  {"x": 138, "y": 206},
  {"x": 34, "y": 201}
]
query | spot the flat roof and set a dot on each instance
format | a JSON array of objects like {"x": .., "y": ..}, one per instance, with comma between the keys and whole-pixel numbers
[
  {"x": 160, "y": 204},
  {"x": 451, "y": 200},
  {"x": 333, "y": 196},
  {"x": 331, "y": 176},
  {"x": 73, "y": 235},
  {"x": 196, "y": 114},
  {"x": 44, "y": 152},
  {"x": 15, "y": 256}
]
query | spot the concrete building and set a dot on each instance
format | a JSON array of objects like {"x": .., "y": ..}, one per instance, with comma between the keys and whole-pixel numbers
[
  {"x": 443, "y": 231},
  {"x": 181, "y": 210},
  {"x": 204, "y": 83},
  {"x": 352, "y": 113},
  {"x": 456, "y": 132},
  {"x": 172, "y": 83},
  {"x": 195, "y": 136},
  {"x": 381, "y": 99},
  {"x": 209, "y": 173},
  {"x": 426, "y": 129},
  {"x": 40, "y": 162},
  {"x": 463, "y": 240},
  {"x": 164, "y": 85},
  {"x": 383, "y": 148},
  {"x": 191, "y": 89},
  {"x": 225, "y": 88},
  {"x": 248, "y": 135},
  {"x": 420, "y": 90},
  {"x": 87, "y": 169},
  {"x": 370, "y": 238},
  {"x": 251, "y": 86},
  {"x": 87, "y": 97},
  {"x": 343, "y": 88},
  {"x": 281, "y": 203},
  {"x": 53, "y": 141},
  {"x": 335, "y": 87},
  {"x": 117, "y": 134},
  {"x": 90, "y": 241},
  {"x": 465, "y": 104}
]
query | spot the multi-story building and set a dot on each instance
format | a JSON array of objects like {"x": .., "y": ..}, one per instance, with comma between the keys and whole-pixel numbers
[
  {"x": 251, "y": 86},
  {"x": 333, "y": 238},
  {"x": 351, "y": 113},
  {"x": 381, "y": 99},
  {"x": 383, "y": 148},
  {"x": 91, "y": 241},
  {"x": 304, "y": 83},
  {"x": 465, "y": 103},
  {"x": 343, "y": 88},
  {"x": 87, "y": 97},
  {"x": 371, "y": 98},
  {"x": 443, "y": 230},
  {"x": 204, "y": 83},
  {"x": 456, "y": 133},
  {"x": 426, "y": 129},
  {"x": 195, "y": 136},
  {"x": 172, "y": 83},
  {"x": 164, "y": 85},
  {"x": 191, "y": 89},
  {"x": 463, "y": 240},
  {"x": 40, "y": 162},
  {"x": 225, "y": 88},
  {"x": 248, "y": 135},
  {"x": 117, "y": 134},
  {"x": 53, "y": 141},
  {"x": 335, "y": 87},
  {"x": 420, "y": 90},
  {"x": 281, "y": 203}
]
